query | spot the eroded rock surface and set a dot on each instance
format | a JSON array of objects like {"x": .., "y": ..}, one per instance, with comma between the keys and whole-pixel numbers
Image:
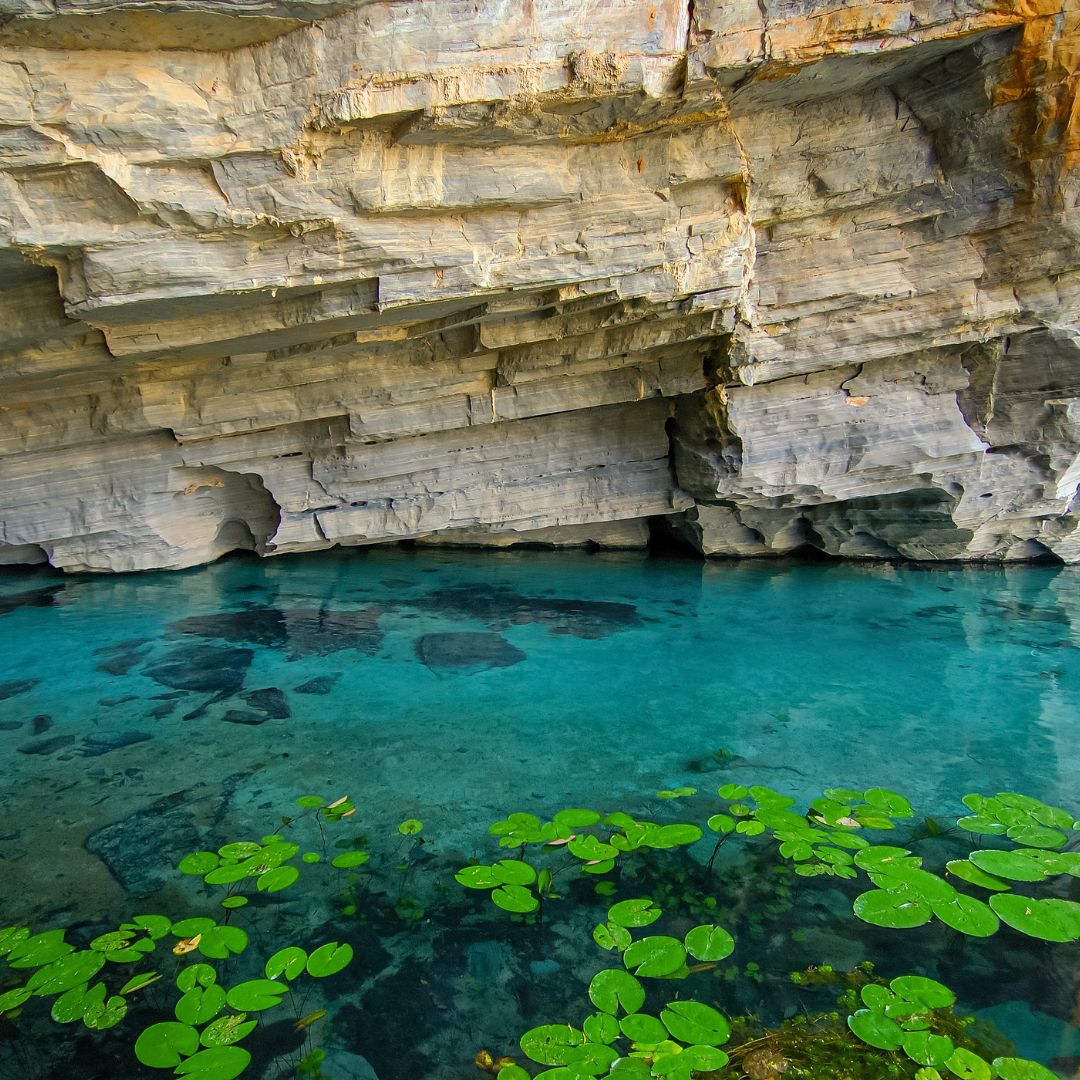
[{"x": 279, "y": 275}]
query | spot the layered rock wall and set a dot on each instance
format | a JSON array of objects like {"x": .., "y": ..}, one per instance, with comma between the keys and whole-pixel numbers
[{"x": 777, "y": 273}]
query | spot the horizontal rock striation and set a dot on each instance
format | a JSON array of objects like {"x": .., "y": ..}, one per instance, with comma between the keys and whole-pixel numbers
[{"x": 279, "y": 276}]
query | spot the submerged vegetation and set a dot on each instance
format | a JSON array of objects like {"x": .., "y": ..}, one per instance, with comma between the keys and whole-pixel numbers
[{"x": 190, "y": 1016}]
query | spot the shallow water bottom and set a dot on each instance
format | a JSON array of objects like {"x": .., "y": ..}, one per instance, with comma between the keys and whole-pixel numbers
[{"x": 146, "y": 716}]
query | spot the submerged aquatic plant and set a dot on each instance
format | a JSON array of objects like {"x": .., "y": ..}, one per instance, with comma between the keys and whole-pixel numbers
[{"x": 209, "y": 1018}]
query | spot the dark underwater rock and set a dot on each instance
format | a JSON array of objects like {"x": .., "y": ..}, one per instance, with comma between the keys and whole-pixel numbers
[
  {"x": 271, "y": 701},
  {"x": 41, "y": 723},
  {"x": 300, "y": 631},
  {"x": 141, "y": 851},
  {"x": 120, "y": 658},
  {"x": 47, "y": 746},
  {"x": 40, "y": 597},
  {"x": 16, "y": 687},
  {"x": 502, "y": 607},
  {"x": 321, "y": 684},
  {"x": 245, "y": 716},
  {"x": 203, "y": 669},
  {"x": 467, "y": 650},
  {"x": 96, "y": 745}
]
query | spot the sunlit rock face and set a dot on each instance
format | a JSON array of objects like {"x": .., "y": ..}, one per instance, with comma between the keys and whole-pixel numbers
[{"x": 280, "y": 276}]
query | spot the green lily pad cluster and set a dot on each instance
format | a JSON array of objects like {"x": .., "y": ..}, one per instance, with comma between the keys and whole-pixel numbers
[
  {"x": 908, "y": 895},
  {"x": 821, "y": 840},
  {"x": 518, "y": 887},
  {"x": 902, "y": 1017},
  {"x": 77, "y": 978},
  {"x": 622, "y": 1040},
  {"x": 269, "y": 860},
  {"x": 202, "y": 1042}
]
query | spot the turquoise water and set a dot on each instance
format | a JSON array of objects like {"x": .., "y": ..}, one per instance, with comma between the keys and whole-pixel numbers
[{"x": 143, "y": 716}]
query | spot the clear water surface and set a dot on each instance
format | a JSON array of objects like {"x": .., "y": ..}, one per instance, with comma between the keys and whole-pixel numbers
[{"x": 144, "y": 716}]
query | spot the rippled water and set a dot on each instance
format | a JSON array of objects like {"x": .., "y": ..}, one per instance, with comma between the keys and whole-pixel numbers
[{"x": 144, "y": 716}]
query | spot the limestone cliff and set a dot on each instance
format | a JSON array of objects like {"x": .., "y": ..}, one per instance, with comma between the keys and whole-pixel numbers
[{"x": 285, "y": 274}]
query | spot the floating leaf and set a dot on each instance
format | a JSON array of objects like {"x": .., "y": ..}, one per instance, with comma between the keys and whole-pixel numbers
[
  {"x": 968, "y": 915},
  {"x": 591, "y": 1059},
  {"x": 222, "y": 942},
  {"x": 877, "y": 996},
  {"x": 515, "y": 898},
  {"x": 732, "y": 791},
  {"x": 890, "y": 802},
  {"x": 187, "y": 928},
  {"x": 676, "y": 793},
  {"x": 611, "y": 936},
  {"x": 709, "y": 942},
  {"x": 162, "y": 1046},
  {"x": 1037, "y": 836},
  {"x": 891, "y": 910},
  {"x": 1021, "y": 1069},
  {"x": 601, "y": 1027},
  {"x": 310, "y": 802},
  {"x": 923, "y": 991},
  {"x": 241, "y": 849},
  {"x": 39, "y": 950},
  {"x": 228, "y": 874},
  {"x": 255, "y": 995},
  {"x": 75, "y": 969},
  {"x": 10, "y": 936},
  {"x": 643, "y": 1028},
  {"x": 590, "y": 847},
  {"x": 913, "y": 882},
  {"x": 139, "y": 982},
  {"x": 876, "y": 1029},
  {"x": 655, "y": 956},
  {"x": 306, "y": 1021},
  {"x": 721, "y": 823},
  {"x": 476, "y": 877},
  {"x": 73, "y": 1005},
  {"x": 354, "y": 858},
  {"x": 968, "y": 871},
  {"x": 613, "y": 988},
  {"x": 200, "y": 1004},
  {"x": 329, "y": 959},
  {"x": 216, "y": 1063},
  {"x": 199, "y": 863},
  {"x": 513, "y": 872},
  {"x": 311, "y": 857},
  {"x": 195, "y": 975},
  {"x": 281, "y": 877},
  {"x": 105, "y": 1015},
  {"x": 513, "y": 1072},
  {"x": 290, "y": 962},
  {"x": 968, "y": 1066},
  {"x": 879, "y": 857},
  {"x": 636, "y": 912},
  {"x": 693, "y": 1022},
  {"x": 1008, "y": 864},
  {"x": 232, "y": 902},
  {"x": 1055, "y": 862},
  {"x": 13, "y": 999},
  {"x": 157, "y": 926},
  {"x": 226, "y": 1030},
  {"x": 1050, "y": 920},
  {"x": 925, "y": 1048},
  {"x": 669, "y": 836},
  {"x": 410, "y": 827},
  {"x": 551, "y": 1044}
]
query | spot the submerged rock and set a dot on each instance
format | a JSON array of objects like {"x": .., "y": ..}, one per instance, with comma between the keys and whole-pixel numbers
[
  {"x": 467, "y": 650},
  {"x": 270, "y": 701},
  {"x": 97, "y": 745},
  {"x": 141, "y": 850},
  {"x": 321, "y": 684},
  {"x": 203, "y": 669},
  {"x": 299, "y": 631},
  {"x": 47, "y": 746},
  {"x": 15, "y": 687}
]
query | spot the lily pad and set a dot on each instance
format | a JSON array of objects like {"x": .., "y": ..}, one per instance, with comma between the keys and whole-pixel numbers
[
  {"x": 255, "y": 995},
  {"x": 888, "y": 909},
  {"x": 75, "y": 969},
  {"x": 1021, "y": 1069},
  {"x": 709, "y": 942},
  {"x": 551, "y": 1044},
  {"x": 216, "y": 1063},
  {"x": 1050, "y": 920},
  {"x": 613, "y": 988},
  {"x": 515, "y": 898},
  {"x": 226, "y": 1030},
  {"x": 601, "y": 1027},
  {"x": 200, "y": 1004},
  {"x": 968, "y": 1066},
  {"x": 290, "y": 962},
  {"x": 693, "y": 1022},
  {"x": 969, "y": 872},
  {"x": 923, "y": 991},
  {"x": 926, "y": 1049},
  {"x": 655, "y": 956},
  {"x": 968, "y": 915},
  {"x": 163, "y": 1046},
  {"x": 876, "y": 1029},
  {"x": 1008, "y": 864},
  {"x": 281, "y": 877},
  {"x": 637, "y": 912},
  {"x": 329, "y": 959},
  {"x": 643, "y": 1028}
]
